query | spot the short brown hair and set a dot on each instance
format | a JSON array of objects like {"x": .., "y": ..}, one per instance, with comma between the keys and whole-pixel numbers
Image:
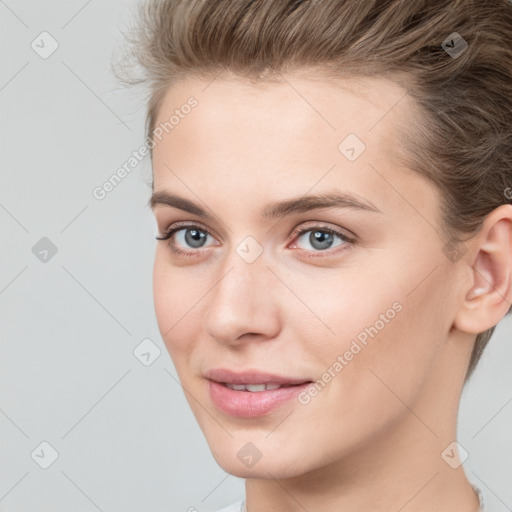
[{"x": 462, "y": 138}]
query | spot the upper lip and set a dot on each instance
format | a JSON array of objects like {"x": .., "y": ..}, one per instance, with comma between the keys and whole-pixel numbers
[{"x": 250, "y": 377}]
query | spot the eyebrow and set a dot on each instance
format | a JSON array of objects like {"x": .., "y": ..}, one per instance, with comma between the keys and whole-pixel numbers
[{"x": 274, "y": 209}]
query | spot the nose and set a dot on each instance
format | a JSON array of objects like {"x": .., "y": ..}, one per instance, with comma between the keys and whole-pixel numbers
[{"x": 242, "y": 303}]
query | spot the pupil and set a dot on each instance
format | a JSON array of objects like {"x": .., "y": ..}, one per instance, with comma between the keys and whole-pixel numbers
[
  {"x": 324, "y": 238},
  {"x": 193, "y": 236}
]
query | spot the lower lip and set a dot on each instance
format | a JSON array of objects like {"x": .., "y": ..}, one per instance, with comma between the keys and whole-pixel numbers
[{"x": 251, "y": 404}]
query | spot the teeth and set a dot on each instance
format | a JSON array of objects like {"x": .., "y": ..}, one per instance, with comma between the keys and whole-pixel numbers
[
  {"x": 273, "y": 386},
  {"x": 252, "y": 387},
  {"x": 255, "y": 387}
]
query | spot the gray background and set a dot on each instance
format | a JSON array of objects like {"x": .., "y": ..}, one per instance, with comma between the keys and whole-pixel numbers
[{"x": 125, "y": 437}]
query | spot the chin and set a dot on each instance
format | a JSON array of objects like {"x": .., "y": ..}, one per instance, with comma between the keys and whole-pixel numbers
[{"x": 236, "y": 460}]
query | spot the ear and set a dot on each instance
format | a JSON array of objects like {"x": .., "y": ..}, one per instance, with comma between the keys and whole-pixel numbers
[{"x": 488, "y": 294}]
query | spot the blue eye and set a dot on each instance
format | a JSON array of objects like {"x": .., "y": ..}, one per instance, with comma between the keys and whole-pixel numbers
[
  {"x": 322, "y": 238},
  {"x": 194, "y": 237}
]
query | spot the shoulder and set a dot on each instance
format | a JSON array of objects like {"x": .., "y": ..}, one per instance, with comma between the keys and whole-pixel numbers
[{"x": 234, "y": 507}]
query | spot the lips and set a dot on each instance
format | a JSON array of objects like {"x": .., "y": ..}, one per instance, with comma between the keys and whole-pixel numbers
[
  {"x": 254, "y": 377},
  {"x": 251, "y": 394},
  {"x": 246, "y": 404}
]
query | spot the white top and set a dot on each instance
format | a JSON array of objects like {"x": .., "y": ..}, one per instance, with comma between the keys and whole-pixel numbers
[{"x": 239, "y": 506}]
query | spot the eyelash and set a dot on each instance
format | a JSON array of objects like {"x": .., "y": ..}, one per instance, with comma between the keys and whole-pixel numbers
[{"x": 296, "y": 234}]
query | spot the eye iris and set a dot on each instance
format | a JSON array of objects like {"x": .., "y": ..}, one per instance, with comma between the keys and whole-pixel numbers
[
  {"x": 196, "y": 238},
  {"x": 193, "y": 236},
  {"x": 323, "y": 237}
]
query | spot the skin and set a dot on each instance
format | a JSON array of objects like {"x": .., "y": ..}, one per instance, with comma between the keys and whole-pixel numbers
[{"x": 372, "y": 439}]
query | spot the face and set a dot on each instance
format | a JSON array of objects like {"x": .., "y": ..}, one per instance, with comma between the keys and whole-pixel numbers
[{"x": 355, "y": 298}]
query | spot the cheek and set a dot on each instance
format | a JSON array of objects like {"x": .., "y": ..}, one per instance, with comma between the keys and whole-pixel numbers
[
  {"x": 385, "y": 348},
  {"x": 174, "y": 301},
  {"x": 376, "y": 330}
]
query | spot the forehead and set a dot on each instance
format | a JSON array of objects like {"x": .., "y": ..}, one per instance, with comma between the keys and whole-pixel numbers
[
  {"x": 328, "y": 101},
  {"x": 299, "y": 111},
  {"x": 260, "y": 136}
]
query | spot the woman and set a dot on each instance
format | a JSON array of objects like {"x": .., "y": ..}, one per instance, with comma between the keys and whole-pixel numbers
[{"x": 331, "y": 184}]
